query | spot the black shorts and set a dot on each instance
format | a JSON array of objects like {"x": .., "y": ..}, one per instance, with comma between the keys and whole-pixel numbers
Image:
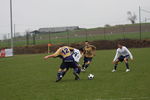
[
  {"x": 87, "y": 59},
  {"x": 121, "y": 58},
  {"x": 68, "y": 63}
]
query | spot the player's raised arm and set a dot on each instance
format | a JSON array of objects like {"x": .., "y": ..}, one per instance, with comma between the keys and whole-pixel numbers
[{"x": 53, "y": 55}]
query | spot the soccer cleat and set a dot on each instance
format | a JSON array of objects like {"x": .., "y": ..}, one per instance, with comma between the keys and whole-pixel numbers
[
  {"x": 83, "y": 69},
  {"x": 76, "y": 76},
  {"x": 113, "y": 70},
  {"x": 127, "y": 70},
  {"x": 59, "y": 79}
]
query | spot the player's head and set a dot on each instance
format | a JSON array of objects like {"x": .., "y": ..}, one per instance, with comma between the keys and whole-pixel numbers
[
  {"x": 86, "y": 43},
  {"x": 119, "y": 44}
]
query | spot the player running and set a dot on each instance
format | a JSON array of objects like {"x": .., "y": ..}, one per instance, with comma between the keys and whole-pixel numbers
[
  {"x": 89, "y": 53},
  {"x": 122, "y": 54},
  {"x": 67, "y": 62}
]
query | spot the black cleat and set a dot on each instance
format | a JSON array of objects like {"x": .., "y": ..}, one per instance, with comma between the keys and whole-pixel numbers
[
  {"x": 77, "y": 78},
  {"x": 59, "y": 79}
]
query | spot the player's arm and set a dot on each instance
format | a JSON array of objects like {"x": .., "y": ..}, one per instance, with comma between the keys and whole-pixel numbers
[
  {"x": 53, "y": 55},
  {"x": 84, "y": 51},
  {"x": 93, "y": 50},
  {"x": 131, "y": 56},
  {"x": 116, "y": 56}
]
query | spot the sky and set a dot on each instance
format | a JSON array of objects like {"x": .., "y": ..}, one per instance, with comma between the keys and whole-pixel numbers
[{"x": 34, "y": 14}]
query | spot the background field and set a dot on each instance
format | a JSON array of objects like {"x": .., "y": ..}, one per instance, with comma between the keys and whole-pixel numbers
[
  {"x": 29, "y": 77},
  {"x": 145, "y": 35},
  {"x": 128, "y": 31}
]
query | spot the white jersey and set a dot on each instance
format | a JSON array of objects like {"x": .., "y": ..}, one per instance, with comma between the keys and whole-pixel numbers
[
  {"x": 122, "y": 52},
  {"x": 76, "y": 55}
]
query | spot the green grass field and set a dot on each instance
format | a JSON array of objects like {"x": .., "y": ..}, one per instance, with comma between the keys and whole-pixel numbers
[{"x": 29, "y": 77}]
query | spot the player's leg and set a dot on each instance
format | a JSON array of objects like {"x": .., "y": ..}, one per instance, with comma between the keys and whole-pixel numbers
[
  {"x": 87, "y": 62},
  {"x": 76, "y": 71},
  {"x": 115, "y": 65},
  {"x": 65, "y": 71},
  {"x": 127, "y": 64},
  {"x": 120, "y": 59},
  {"x": 86, "y": 65},
  {"x": 61, "y": 72},
  {"x": 83, "y": 66},
  {"x": 59, "y": 75}
]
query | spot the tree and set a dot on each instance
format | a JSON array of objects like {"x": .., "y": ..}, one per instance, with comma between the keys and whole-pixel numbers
[{"x": 132, "y": 17}]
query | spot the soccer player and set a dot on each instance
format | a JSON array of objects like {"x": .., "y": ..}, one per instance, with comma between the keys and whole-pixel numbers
[
  {"x": 67, "y": 62},
  {"x": 122, "y": 54},
  {"x": 77, "y": 54},
  {"x": 89, "y": 53}
]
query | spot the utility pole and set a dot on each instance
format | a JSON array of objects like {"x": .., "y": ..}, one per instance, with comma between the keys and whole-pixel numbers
[
  {"x": 11, "y": 24},
  {"x": 140, "y": 22}
]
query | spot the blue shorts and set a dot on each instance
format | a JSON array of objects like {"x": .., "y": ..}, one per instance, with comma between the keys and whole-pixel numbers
[
  {"x": 121, "y": 58},
  {"x": 87, "y": 59},
  {"x": 68, "y": 62}
]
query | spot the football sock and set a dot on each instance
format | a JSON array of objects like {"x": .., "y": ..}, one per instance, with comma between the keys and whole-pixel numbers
[
  {"x": 63, "y": 74},
  {"x": 76, "y": 73},
  {"x": 115, "y": 67},
  {"x": 77, "y": 70},
  {"x": 127, "y": 65}
]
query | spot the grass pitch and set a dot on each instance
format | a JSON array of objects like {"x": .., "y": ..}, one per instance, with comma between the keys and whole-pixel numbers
[{"x": 29, "y": 77}]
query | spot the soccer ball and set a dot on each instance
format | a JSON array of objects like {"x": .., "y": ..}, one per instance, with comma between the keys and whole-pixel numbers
[{"x": 90, "y": 76}]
